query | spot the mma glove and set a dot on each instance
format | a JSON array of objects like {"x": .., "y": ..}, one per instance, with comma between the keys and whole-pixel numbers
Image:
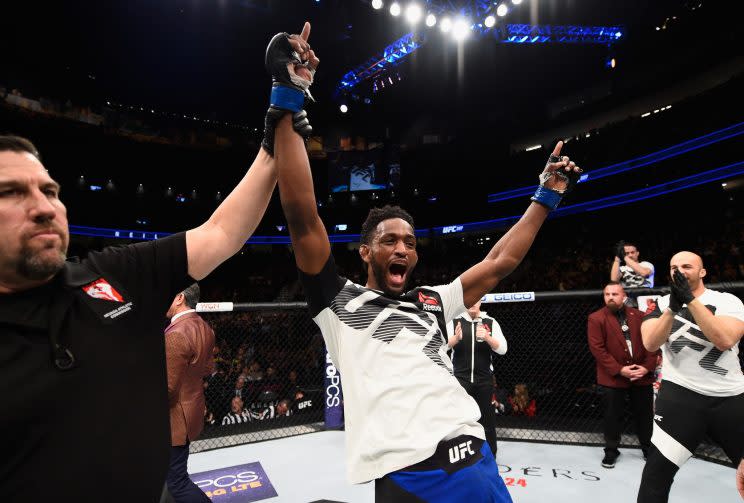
[
  {"x": 680, "y": 292},
  {"x": 288, "y": 91},
  {"x": 552, "y": 197},
  {"x": 620, "y": 251}
]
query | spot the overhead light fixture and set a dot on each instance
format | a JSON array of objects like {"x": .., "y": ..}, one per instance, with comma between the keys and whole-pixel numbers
[
  {"x": 395, "y": 9},
  {"x": 377, "y": 4},
  {"x": 413, "y": 13},
  {"x": 343, "y": 108},
  {"x": 490, "y": 21},
  {"x": 460, "y": 29},
  {"x": 431, "y": 20},
  {"x": 646, "y": 114},
  {"x": 516, "y": 2},
  {"x": 533, "y": 147},
  {"x": 445, "y": 25},
  {"x": 502, "y": 10}
]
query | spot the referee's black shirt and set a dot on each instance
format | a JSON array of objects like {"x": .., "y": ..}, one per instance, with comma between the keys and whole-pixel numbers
[{"x": 98, "y": 431}]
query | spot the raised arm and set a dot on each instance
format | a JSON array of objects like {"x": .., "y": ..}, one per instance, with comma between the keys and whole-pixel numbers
[
  {"x": 296, "y": 191},
  {"x": 615, "y": 270},
  {"x": 638, "y": 268},
  {"x": 508, "y": 252},
  {"x": 309, "y": 237},
  {"x": 656, "y": 328},
  {"x": 234, "y": 221},
  {"x": 454, "y": 332},
  {"x": 617, "y": 261},
  {"x": 724, "y": 329}
]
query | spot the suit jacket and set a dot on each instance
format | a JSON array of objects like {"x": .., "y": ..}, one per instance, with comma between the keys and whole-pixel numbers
[
  {"x": 607, "y": 344},
  {"x": 188, "y": 352}
]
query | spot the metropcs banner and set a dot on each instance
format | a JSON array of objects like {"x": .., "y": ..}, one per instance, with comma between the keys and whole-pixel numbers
[
  {"x": 334, "y": 399},
  {"x": 235, "y": 484}
]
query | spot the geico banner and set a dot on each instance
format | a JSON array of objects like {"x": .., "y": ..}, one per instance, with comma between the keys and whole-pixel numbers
[
  {"x": 334, "y": 399},
  {"x": 491, "y": 298},
  {"x": 236, "y": 484}
]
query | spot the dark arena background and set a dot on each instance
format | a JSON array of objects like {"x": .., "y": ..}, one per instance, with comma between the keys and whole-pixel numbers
[{"x": 148, "y": 113}]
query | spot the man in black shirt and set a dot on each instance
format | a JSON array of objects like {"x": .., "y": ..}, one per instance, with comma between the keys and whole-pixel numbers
[
  {"x": 475, "y": 339},
  {"x": 74, "y": 333}
]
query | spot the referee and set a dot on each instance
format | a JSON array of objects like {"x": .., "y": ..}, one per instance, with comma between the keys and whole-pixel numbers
[{"x": 475, "y": 339}]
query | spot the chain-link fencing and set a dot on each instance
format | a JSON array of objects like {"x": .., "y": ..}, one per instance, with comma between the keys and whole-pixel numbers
[{"x": 271, "y": 365}]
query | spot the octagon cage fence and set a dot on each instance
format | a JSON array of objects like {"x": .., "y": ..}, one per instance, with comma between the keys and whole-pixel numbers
[{"x": 272, "y": 356}]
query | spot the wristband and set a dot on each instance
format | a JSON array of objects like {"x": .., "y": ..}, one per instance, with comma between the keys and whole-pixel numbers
[
  {"x": 287, "y": 98},
  {"x": 547, "y": 197}
]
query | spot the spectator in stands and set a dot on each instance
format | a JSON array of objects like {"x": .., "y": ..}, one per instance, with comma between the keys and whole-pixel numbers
[
  {"x": 500, "y": 400},
  {"x": 264, "y": 407},
  {"x": 624, "y": 368},
  {"x": 238, "y": 414},
  {"x": 240, "y": 390},
  {"x": 217, "y": 391},
  {"x": 209, "y": 419},
  {"x": 283, "y": 408},
  {"x": 521, "y": 403},
  {"x": 627, "y": 270},
  {"x": 254, "y": 372},
  {"x": 291, "y": 386},
  {"x": 270, "y": 381}
]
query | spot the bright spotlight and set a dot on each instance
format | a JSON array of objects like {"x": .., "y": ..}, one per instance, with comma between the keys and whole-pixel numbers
[
  {"x": 445, "y": 25},
  {"x": 501, "y": 10},
  {"x": 431, "y": 20},
  {"x": 343, "y": 109},
  {"x": 377, "y": 4},
  {"x": 395, "y": 9},
  {"x": 490, "y": 21},
  {"x": 460, "y": 29},
  {"x": 516, "y": 2},
  {"x": 413, "y": 13}
]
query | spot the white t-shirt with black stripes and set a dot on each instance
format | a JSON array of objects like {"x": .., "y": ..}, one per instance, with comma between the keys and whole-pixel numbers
[
  {"x": 400, "y": 397},
  {"x": 232, "y": 418},
  {"x": 691, "y": 360}
]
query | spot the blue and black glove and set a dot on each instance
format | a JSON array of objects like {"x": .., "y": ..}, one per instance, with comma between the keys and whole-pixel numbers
[
  {"x": 558, "y": 178},
  {"x": 289, "y": 88}
]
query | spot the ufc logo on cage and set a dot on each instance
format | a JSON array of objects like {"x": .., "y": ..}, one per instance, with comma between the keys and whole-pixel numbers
[{"x": 458, "y": 452}]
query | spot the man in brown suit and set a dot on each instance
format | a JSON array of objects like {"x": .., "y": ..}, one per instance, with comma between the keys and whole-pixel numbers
[
  {"x": 189, "y": 342},
  {"x": 624, "y": 367}
]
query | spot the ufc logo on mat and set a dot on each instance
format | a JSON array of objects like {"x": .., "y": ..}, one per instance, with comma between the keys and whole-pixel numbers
[{"x": 459, "y": 451}]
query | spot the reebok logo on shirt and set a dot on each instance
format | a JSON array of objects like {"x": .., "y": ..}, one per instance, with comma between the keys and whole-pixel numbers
[{"x": 429, "y": 303}]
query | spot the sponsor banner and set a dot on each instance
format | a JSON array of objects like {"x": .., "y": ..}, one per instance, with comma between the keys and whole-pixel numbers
[
  {"x": 214, "y": 307},
  {"x": 334, "y": 400},
  {"x": 235, "y": 484},
  {"x": 491, "y": 298}
]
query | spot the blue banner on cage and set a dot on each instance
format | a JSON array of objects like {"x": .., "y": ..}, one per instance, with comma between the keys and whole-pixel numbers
[{"x": 334, "y": 399}]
